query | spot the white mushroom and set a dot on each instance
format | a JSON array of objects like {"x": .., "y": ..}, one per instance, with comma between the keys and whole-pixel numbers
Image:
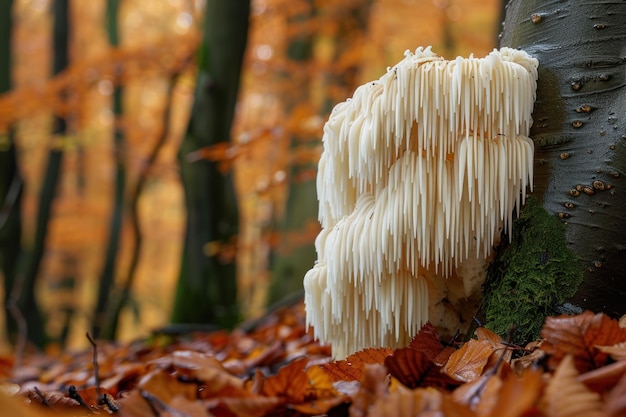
[{"x": 421, "y": 172}]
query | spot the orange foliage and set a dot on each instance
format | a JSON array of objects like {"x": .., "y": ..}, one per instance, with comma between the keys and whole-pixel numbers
[{"x": 221, "y": 374}]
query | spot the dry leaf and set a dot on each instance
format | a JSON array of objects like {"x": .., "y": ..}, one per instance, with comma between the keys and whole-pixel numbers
[
  {"x": 565, "y": 396},
  {"x": 467, "y": 363},
  {"x": 427, "y": 341},
  {"x": 373, "y": 386},
  {"x": 414, "y": 369},
  {"x": 407, "y": 403},
  {"x": 291, "y": 383},
  {"x": 351, "y": 369},
  {"x": 617, "y": 351},
  {"x": 577, "y": 336},
  {"x": 517, "y": 395},
  {"x": 604, "y": 378},
  {"x": 616, "y": 400}
]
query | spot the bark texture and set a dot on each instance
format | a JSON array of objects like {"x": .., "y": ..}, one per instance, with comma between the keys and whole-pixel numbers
[{"x": 580, "y": 132}]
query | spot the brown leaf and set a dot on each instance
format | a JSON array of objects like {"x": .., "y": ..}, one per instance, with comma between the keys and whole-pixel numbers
[
  {"x": 291, "y": 383},
  {"x": 373, "y": 387},
  {"x": 351, "y": 368},
  {"x": 617, "y": 352},
  {"x": 256, "y": 406},
  {"x": 616, "y": 400},
  {"x": 564, "y": 396},
  {"x": 427, "y": 341},
  {"x": 467, "y": 363},
  {"x": 578, "y": 336},
  {"x": 404, "y": 403},
  {"x": 413, "y": 368},
  {"x": 604, "y": 378},
  {"x": 518, "y": 395}
]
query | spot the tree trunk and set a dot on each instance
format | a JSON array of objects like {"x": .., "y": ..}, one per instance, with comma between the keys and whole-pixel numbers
[
  {"x": 291, "y": 262},
  {"x": 579, "y": 133},
  {"x": 107, "y": 276},
  {"x": 10, "y": 181},
  {"x": 207, "y": 287}
]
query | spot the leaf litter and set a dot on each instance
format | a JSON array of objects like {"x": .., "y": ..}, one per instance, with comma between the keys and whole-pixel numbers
[{"x": 275, "y": 368}]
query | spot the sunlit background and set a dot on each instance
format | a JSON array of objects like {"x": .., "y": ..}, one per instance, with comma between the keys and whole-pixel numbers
[{"x": 282, "y": 107}]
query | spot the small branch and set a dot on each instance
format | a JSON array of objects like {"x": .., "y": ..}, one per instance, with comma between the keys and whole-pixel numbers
[
  {"x": 96, "y": 370},
  {"x": 73, "y": 394}
]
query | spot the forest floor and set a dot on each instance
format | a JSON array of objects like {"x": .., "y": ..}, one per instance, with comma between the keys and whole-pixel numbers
[{"x": 273, "y": 367}]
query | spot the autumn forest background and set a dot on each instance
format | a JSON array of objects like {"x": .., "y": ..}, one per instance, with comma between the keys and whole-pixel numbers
[{"x": 99, "y": 132}]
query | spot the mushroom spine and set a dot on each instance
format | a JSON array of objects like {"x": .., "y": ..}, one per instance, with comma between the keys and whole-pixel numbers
[{"x": 421, "y": 170}]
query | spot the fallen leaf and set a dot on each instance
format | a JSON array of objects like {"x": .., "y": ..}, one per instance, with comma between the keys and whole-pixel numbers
[
  {"x": 374, "y": 387},
  {"x": 616, "y": 400},
  {"x": 604, "y": 378},
  {"x": 413, "y": 368},
  {"x": 291, "y": 383},
  {"x": 468, "y": 363},
  {"x": 578, "y": 336},
  {"x": 617, "y": 352},
  {"x": 565, "y": 396},
  {"x": 351, "y": 368},
  {"x": 517, "y": 396},
  {"x": 427, "y": 341}
]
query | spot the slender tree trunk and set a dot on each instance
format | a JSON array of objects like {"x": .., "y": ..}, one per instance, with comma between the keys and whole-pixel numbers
[
  {"x": 24, "y": 289},
  {"x": 107, "y": 276},
  {"x": 289, "y": 263},
  {"x": 579, "y": 133},
  {"x": 10, "y": 181},
  {"x": 207, "y": 286}
]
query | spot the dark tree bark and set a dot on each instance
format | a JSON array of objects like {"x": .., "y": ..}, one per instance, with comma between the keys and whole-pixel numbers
[
  {"x": 107, "y": 276},
  {"x": 207, "y": 287},
  {"x": 580, "y": 132},
  {"x": 24, "y": 288},
  {"x": 10, "y": 181}
]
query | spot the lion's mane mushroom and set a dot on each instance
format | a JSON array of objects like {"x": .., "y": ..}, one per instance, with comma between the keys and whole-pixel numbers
[{"x": 421, "y": 172}]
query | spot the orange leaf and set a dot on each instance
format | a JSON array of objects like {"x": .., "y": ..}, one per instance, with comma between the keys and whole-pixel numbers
[
  {"x": 518, "y": 395},
  {"x": 604, "y": 378},
  {"x": 291, "y": 382},
  {"x": 578, "y": 336},
  {"x": 256, "y": 406},
  {"x": 373, "y": 387},
  {"x": 566, "y": 397},
  {"x": 427, "y": 341},
  {"x": 467, "y": 363},
  {"x": 351, "y": 369},
  {"x": 616, "y": 400},
  {"x": 414, "y": 369}
]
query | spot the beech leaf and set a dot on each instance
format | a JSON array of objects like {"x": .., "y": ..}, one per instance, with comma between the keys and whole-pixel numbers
[
  {"x": 351, "y": 368},
  {"x": 578, "y": 336},
  {"x": 467, "y": 363},
  {"x": 413, "y": 368},
  {"x": 565, "y": 396}
]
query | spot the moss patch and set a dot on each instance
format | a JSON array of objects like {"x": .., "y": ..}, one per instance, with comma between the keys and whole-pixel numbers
[{"x": 532, "y": 275}]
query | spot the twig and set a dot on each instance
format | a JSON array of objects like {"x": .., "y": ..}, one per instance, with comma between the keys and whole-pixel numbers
[
  {"x": 42, "y": 397},
  {"x": 73, "y": 394},
  {"x": 159, "y": 407},
  {"x": 96, "y": 370}
]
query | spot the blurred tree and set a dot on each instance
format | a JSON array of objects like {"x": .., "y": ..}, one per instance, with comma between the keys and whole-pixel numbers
[
  {"x": 348, "y": 25},
  {"x": 24, "y": 289},
  {"x": 580, "y": 147},
  {"x": 207, "y": 286},
  {"x": 107, "y": 276},
  {"x": 10, "y": 181}
]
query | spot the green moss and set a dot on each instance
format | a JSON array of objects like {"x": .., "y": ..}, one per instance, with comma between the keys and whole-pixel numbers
[{"x": 531, "y": 276}]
